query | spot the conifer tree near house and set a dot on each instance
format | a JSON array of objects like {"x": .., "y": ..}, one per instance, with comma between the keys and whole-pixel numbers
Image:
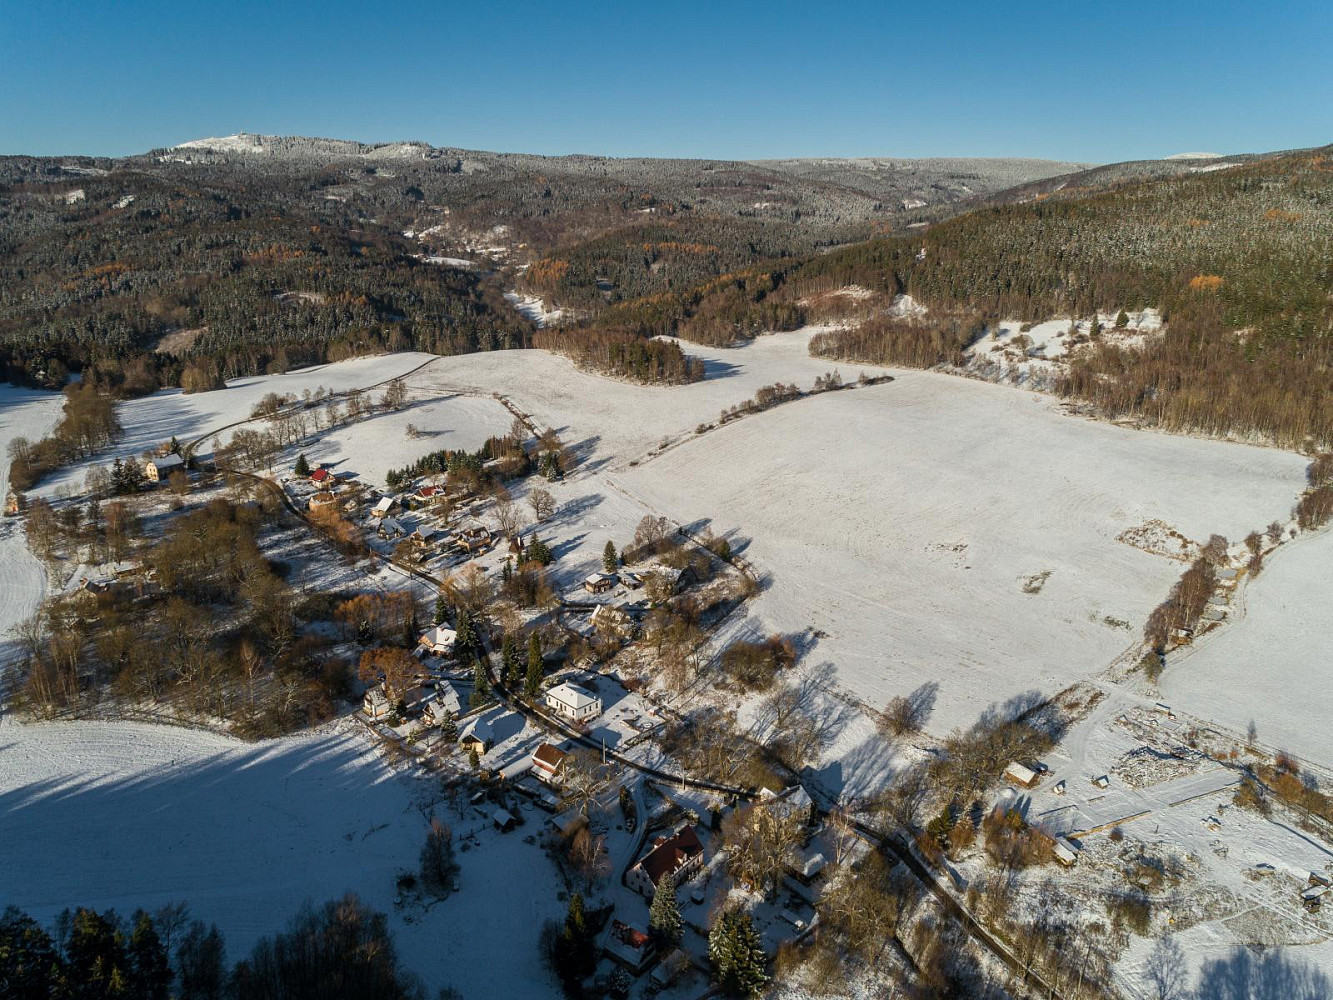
[
  {"x": 664, "y": 915},
  {"x": 466, "y": 638},
  {"x": 480, "y": 686},
  {"x": 532, "y": 683},
  {"x": 302, "y": 467},
  {"x": 510, "y": 658},
  {"x": 737, "y": 955},
  {"x": 441, "y": 610},
  {"x": 609, "y": 560},
  {"x": 449, "y": 729}
]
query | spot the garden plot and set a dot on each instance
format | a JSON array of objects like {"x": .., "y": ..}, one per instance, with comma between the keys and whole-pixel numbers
[
  {"x": 942, "y": 530},
  {"x": 125, "y": 815},
  {"x": 1272, "y": 666}
]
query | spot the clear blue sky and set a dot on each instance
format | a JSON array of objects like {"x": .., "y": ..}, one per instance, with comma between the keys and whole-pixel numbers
[{"x": 1070, "y": 80}]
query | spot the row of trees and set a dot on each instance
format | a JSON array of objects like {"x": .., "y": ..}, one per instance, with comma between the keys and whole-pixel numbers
[
  {"x": 340, "y": 949},
  {"x": 88, "y": 423}
]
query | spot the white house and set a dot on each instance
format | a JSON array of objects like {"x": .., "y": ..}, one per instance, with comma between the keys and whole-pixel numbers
[
  {"x": 439, "y": 641},
  {"x": 573, "y": 702},
  {"x": 376, "y": 704},
  {"x": 157, "y": 469},
  {"x": 600, "y": 583}
]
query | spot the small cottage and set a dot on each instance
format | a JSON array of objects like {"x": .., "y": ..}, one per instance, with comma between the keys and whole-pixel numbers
[
  {"x": 600, "y": 583},
  {"x": 383, "y": 507}
]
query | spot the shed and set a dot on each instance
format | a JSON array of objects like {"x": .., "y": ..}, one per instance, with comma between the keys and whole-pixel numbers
[
  {"x": 503, "y": 820},
  {"x": 1020, "y": 775},
  {"x": 1065, "y": 853}
]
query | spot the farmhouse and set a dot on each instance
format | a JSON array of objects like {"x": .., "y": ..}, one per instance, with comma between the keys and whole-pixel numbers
[
  {"x": 573, "y": 702},
  {"x": 321, "y": 477},
  {"x": 1020, "y": 775},
  {"x": 383, "y": 506},
  {"x": 547, "y": 763},
  {"x": 677, "y": 858},
  {"x": 157, "y": 469},
  {"x": 439, "y": 641},
  {"x": 600, "y": 583}
]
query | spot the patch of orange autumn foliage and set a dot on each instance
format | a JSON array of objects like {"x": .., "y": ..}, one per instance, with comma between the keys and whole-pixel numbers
[
  {"x": 1206, "y": 282},
  {"x": 1279, "y": 215},
  {"x": 272, "y": 254},
  {"x": 548, "y": 271},
  {"x": 668, "y": 247}
]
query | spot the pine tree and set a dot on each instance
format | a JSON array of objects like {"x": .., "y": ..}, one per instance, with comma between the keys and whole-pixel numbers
[
  {"x": 737, "y": 955},
  {"x": 466, "y": 638},
  {"x": 449, "y": 729},
  {"x": 509, "y": 656},
  {"x": 441, "y": 610},
  {"x": 532, "y": 683},
  {"x": 575, "y": 954},
  {"x": 175, "y": 446},
  {"x": 480, "y": 686},
  {"x": 150, "y": 969},
  {"x": 474, "y": 761},
  {"x": 664, "y": 915},
  {"x": 610, "y": 562},
  {"x": 412, "y": 630}
]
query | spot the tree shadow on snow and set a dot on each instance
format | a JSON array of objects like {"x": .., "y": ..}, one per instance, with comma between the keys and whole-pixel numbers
[{"x": 1270, "y": 975}]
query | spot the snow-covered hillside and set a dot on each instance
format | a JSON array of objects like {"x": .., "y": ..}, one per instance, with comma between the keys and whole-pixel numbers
[{"x": 126, "y": 815}]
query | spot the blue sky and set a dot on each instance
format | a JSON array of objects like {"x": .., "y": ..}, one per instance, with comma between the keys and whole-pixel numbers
[{"x": 1068, "y": 80}]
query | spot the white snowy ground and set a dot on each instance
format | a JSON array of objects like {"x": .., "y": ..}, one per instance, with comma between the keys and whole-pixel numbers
[
  {"x": 125, "y": 815},
  {"x": 152, "y": 420},
  {"x": 901, "y": 519},
  {"x": 31, "y": 414},
  {"x": 1273, "y": 666}
]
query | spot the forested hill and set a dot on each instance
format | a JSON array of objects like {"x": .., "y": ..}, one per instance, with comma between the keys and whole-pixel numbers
[
  {"x": 1239, "y": 260},
  {"x": 231, "y": 256}
]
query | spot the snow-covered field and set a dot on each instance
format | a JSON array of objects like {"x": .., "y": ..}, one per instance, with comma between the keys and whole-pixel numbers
[
  {"x": 908, "y": 521},
  {"x": 125, "y": 815},
  {"x": 1274, "y": 665},
  {"x": 31, "y": 414},
  {"x": 152, "y": 420}
]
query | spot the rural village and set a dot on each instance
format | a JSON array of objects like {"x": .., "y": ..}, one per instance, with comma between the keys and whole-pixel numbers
[{"x": 560, "y": 690}]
